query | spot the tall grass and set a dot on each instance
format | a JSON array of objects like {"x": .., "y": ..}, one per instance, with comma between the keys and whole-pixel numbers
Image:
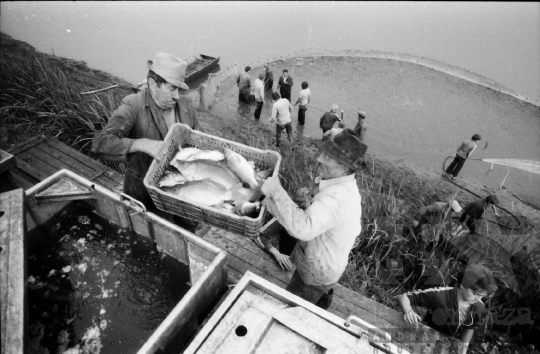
[
  {"x": 386, "y": 261},
  {"x": 37, "y": 98}
]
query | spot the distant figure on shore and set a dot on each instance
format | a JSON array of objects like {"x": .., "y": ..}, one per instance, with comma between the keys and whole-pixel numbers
[
  {"x": 434, "y": 214},
  {"x": 456, "y": 311},
  {"x": 360, "y": 127},
  {"x": 475, "y": 210},
  {"x": 463, "y": 152},
  {"x": 269, "y": 81},
  {"x": 244, "y": 83},
  {"x": 281, "y": 114},
  {"x": 304, "y": 96},
  {"x": 329, "y": 118},
  {"x": 285, "y": 85},
  {"x": 259, "y": 95},
  {"x": 334, "y": 131},
  {"x": 135, "y": 131}
]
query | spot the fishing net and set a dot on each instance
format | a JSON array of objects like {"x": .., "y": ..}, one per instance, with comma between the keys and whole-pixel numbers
[{"x": 526, "y": 165}]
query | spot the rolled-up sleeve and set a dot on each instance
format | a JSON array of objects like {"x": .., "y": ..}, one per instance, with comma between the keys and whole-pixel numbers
[
  {"x": 303, "y": 225},
  {"x": 113, "y": 143}
]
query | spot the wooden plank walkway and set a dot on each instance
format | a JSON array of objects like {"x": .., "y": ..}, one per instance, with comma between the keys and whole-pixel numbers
[{"x": 40, "y": 157}]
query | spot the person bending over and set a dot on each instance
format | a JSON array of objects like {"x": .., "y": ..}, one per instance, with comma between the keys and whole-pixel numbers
[{"x": 453, "y": 311}]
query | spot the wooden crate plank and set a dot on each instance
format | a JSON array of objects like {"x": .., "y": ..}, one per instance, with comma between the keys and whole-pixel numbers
[
  {"x": 242, "y": 241},
  {"x": 14, "y": 150},
  {"x": 254, "y": 260},
  {"x": 86, "y": 160},
  {"x": 38, "y": 163},
  {"x": 60, "y": 160},
  {"x": 30, "y": 170}
]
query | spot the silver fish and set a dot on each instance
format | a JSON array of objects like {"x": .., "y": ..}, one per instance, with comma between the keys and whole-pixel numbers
[
  {"x": 191, "y": 154},
  {"x": 170, "y": 179},
  {"x": 206, "y": 192},
  {"x": 244, "y": 169},
  {"x": 217, "y": 172}
]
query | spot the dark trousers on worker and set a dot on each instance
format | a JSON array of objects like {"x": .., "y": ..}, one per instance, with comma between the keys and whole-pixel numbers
[
  {"x": 286, "y": 95},
  {"x": 471, "y": 224},
  {"x": 268, "y": 85},
  {"x": 258, "y": 110},
  {"x": 302, "y": 115},
  {"x": 279, "y": 128},
  {"x": 456, "y": 165},
  {"x": 320, "y": 295}
]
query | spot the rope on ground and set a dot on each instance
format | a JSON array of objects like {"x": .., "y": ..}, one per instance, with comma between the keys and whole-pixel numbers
[{"x": 499, "y": 207}]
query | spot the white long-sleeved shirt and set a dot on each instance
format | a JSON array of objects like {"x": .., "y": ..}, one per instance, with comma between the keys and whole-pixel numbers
[
  {"x": 259, "y": 90},
  {"x": 326, "y": 230},
  {"x": 281, "y": 111}
]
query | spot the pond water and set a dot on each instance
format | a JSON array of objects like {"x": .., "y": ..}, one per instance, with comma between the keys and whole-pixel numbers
[{"x": 94, "y": 287}]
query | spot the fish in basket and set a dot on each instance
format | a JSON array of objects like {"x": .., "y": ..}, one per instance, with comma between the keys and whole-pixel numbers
[{"x": 212, "y": 180}]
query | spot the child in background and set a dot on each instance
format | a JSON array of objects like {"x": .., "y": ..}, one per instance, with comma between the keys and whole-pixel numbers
[{"x": 454, "y": 311}]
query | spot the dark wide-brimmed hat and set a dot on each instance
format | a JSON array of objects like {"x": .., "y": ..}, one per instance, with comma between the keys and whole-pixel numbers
[
  {"x": 171, "y": 68},
  {"x": 346, "y": 148}
]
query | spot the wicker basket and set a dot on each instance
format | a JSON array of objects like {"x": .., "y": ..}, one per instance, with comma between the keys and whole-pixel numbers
[{"x": 183, "y": 135}]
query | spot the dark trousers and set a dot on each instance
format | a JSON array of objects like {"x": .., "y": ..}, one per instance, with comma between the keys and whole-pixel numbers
[
  {"x": 471, "y": 224},
  {"x": 268, "y": 85},
  {"x": 258, "y": 110},
  {"x": 456, "y": 166},
  {"x": 287, "y": 127},
  {"x": 302, "y": 115},
  {"x": 286, "y": 95},
  {"x": 320, "y": 295}
]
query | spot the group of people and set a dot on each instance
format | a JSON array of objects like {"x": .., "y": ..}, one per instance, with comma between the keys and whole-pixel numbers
[
  {"x": 321, "y": 223},
  {"x": 437, "y": 212},
  {"x": 282, "y": 104}
]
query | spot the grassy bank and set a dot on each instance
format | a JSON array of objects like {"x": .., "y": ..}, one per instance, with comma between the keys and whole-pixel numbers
[{"x": 42, "y": 96}]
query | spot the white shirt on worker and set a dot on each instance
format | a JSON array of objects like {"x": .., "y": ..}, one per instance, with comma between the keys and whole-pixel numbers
[
  {"x": 304, "y": 96},
  {"x": 281, "y": 111},
  {"x": 259, "y": 90},
  {"x": 326, "y": 230}
]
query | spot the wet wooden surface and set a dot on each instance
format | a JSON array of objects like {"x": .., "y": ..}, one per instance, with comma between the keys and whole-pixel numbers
[{"x": 40, "y": 157}]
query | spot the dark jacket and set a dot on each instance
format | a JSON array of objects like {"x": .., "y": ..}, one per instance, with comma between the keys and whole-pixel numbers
[
  {"x": 137, "y": 117},
  {"x": 285, "y": 86},
  {"x": 474, "y": 210},
  {"x": 327, "y": 121},
  {"x": 443, "y": 310}
]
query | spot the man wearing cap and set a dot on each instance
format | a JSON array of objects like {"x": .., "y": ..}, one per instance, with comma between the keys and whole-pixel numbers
[
  {"x": 281, "y": 114},
  {"x": 434, "y": 214},
  {"x": 474, "y": 211},
  {"x": 135, "y": 131},
  {"x": 329, "y": 118},
  {"x": 284, "y": 85},
  {"x": 360, "y": 127},
  {"x": 327, "y": 229},
  {"x": 269, "y": 81}
]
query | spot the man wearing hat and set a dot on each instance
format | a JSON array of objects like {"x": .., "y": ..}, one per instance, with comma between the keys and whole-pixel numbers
[
  {"x": 435, "y": 213},
  {"x": 135, "y": 131},
  {"x": 329, "y": 118},
  {"x": 327, "y": 229},
  {"x": 360, "y": 127}
]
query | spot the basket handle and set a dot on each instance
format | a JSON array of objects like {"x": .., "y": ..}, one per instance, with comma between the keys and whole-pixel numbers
[{"x": 134, "y": 201}]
